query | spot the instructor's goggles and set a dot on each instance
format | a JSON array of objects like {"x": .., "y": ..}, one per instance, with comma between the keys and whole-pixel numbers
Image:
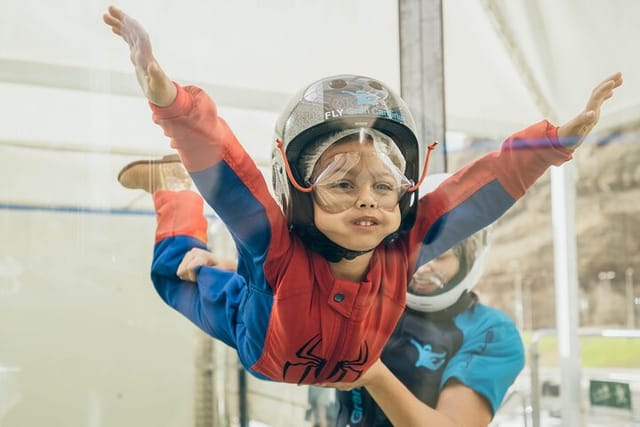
[{"x": 359, "y": 179}]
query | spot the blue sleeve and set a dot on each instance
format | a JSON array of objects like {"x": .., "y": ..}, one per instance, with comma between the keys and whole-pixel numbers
[
  {"x": 491, "y": 356},
  {"x": 212, "y": 303},
  {"x": 476, "y": 212},
  {"x": 241, "y": 211},
  {"x": 253, "y": 218}
]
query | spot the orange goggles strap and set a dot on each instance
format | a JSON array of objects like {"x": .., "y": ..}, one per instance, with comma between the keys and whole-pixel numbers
[
  {"x": 430, "y": 148},
  {"x": 287, "y": 168}
]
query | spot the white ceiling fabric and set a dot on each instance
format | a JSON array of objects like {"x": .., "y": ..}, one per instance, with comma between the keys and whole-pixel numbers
[
  {"x": 60, "y": 64},
  {"x": 567, "y": 47}
]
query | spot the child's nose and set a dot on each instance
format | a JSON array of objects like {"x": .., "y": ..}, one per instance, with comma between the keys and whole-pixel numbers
[{"x": 366, "y": 198}]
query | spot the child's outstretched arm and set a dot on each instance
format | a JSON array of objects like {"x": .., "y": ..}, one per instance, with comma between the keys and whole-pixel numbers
[
  {"x": 572, "y": 133},
  {"x": 155, "y": 84}
]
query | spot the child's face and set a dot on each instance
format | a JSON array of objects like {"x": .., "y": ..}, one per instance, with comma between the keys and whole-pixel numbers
[
  {"x": 435, "y": 274},
  {"x": 357, "y": 207}
]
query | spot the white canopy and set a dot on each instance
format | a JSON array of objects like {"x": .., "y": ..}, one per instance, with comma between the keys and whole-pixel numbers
[{"x": 68, "y": 87}]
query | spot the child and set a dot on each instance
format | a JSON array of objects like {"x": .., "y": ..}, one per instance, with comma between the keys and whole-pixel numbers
[
  {"x": 322, "y": 272},
  {"x": 448, "y": 349}
]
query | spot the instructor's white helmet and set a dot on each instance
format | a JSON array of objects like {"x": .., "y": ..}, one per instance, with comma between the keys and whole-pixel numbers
[{"x": 472, "y": 255}]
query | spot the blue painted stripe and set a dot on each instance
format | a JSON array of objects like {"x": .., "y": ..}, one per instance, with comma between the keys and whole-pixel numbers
[{"x": 83, "y": 210}]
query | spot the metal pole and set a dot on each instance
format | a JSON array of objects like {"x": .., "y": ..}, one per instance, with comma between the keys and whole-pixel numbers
[
  {"x": 535, "y": 382},
  {"x": 566, "y": 290},
  {"x": 534, "y": 368},
  {"x": 422, "y": 72},
  {"x": 631, "y": 299},
  {"x": 518, "y": 294},
  {"x": 204, "y": 391},
  {"x": 242, "y": 397},
  {"x": 528, "y": 305}
]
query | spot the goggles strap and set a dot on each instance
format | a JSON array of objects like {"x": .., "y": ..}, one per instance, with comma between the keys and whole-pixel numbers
[
  {"x": 425, "y": 169},
  {"x": 287, "y": 168}
]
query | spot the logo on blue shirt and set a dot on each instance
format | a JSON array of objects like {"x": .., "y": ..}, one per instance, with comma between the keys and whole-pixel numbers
[{"x": 427, "y": 358}]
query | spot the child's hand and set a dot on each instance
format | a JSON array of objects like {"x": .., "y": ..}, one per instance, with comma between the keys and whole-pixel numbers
[
  {"x": 197, "y": 257},
  {"x": 572, "y": 133},
  {"x": 371, "y": 375},
  {"x": 155, "y": 84}
]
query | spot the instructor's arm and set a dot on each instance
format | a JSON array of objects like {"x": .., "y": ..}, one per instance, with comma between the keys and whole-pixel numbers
[{"x": 458, "y": 405}]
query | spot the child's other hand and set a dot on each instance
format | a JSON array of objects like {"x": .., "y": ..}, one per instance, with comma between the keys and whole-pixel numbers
[
  {"x": 197, "y": 257},
  {"x": 155, "y": 84},
  {"x": 371, "y": 375},
  {"x": 572, "y": 133}
]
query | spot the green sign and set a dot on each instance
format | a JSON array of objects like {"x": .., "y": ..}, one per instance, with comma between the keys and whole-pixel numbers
[{"x": 609, "y": 393}]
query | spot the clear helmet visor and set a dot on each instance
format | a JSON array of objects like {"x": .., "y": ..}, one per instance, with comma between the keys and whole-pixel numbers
[
  {"x": 437, "y": 275},
  {"x": 359, "y": 179},
  {"x": 439, "y": 282}
]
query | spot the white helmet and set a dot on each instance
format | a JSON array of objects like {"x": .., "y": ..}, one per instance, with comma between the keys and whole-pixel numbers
[{"x": 471, "y": 254}]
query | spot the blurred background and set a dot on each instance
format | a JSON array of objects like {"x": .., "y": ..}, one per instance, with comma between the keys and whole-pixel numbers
[{"x": 84, "y": 339}]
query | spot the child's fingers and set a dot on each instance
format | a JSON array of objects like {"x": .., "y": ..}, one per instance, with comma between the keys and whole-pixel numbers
[
  {"x": 114, "y": 18},
  {"x": 186, "y": 273},
  {"x": 110, "y": 20},
  {"x": 113, "y": 23},
  {"x": 192, "y": 260},
  {"x": 614, "y": 79},
  {"x": 182, "y": 272},
  {"x": 185, "y": 268},
  {"x": 573, "y": 132},
  {"x": 605, "y": 89},
  {"x": 115, "y": 12}
]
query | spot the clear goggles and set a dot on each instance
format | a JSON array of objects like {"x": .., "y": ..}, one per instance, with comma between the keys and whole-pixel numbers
[{"x": 359, "y": 179}]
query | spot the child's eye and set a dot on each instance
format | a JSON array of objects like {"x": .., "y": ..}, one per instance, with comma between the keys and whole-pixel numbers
[
  {"x": 341, "y": 185},
  {"x": 383, "y": 187}
]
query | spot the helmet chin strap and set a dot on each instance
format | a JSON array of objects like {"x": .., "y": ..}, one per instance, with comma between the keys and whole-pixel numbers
[{"x": 318, "y": 242}]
